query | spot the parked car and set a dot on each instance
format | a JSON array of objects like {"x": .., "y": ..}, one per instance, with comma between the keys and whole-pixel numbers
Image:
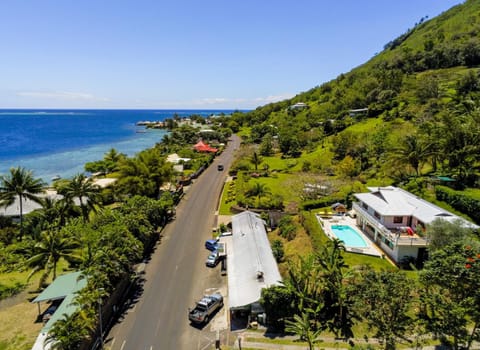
[
  {"x": 213, "y": 259},
  {"x": 205, "y": 308},
  {"x": 211, "y": 244}
]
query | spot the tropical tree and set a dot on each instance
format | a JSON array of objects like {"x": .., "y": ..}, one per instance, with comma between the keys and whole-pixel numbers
[
  {"x": 85, "y": 190},
  {"x": 305, "y": 326},
  {"x": 384, "y": 300},
  {"x": 20, "y": 184},
  {"x": 108, "y": 164},
  {"x": 338, "y": 295},
  {"x": 256, "y": 160},
  {"x": 451, "y": 294},
  {"x": 258, "y": 190},
  {"x": 412, "y": 151},
  {"x": 54, "y": 244},
  {"x": 442, "y": 233},
  {"x": 144, "y": 174},
  {"x": 68, "y": 332}
]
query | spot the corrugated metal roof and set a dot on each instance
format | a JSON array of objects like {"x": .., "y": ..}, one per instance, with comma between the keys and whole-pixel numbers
[
  {"x": 251, "y": 264},
  {"x": 61, "y": 287},
  {"x": 64, "y": 287}
]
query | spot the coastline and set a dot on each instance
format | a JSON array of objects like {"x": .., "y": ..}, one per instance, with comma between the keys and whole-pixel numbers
[{"x": 59, "y": 142}]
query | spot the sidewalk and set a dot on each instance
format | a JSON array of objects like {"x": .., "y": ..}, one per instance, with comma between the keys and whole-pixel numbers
[{"x": 248, "y": 341}]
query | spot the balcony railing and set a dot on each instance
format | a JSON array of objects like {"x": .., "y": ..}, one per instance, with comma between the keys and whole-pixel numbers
[{"x": 395, "y": 238}]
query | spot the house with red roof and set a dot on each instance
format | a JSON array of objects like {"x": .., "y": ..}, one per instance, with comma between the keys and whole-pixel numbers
[{"x": 203, "y": 147}]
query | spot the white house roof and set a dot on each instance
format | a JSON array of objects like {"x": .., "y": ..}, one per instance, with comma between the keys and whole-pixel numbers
[
  {"x": 28, "y": 205},
  {"x": 393, "y": 201},
  {"x": 175, "y": 159},
  {"x": 251, "y": 265}
]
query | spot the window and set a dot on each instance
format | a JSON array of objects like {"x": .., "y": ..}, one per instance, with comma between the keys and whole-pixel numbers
[
  {"x": 377, "y": 215},
  {"x": 365, "y": 206},
  {"x": 397, "y": 219}
]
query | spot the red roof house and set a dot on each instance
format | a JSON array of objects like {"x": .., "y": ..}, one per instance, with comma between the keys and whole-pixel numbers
[{"x": 203, "y": 147}]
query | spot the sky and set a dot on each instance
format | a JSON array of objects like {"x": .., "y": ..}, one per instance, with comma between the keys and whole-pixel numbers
[{"x": 188, "y": 54}]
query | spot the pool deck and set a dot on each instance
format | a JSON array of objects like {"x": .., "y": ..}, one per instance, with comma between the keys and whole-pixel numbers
[{"x": 326, "y": 224}]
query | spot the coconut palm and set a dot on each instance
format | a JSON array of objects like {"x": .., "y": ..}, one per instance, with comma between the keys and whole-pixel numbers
[
  {"x": 305, "y": 327},
  {"x": 53, "y": 246},
  {"x": 258, "y": 190},
  {"x": 20, "y": 184},
  {"x": 85, "y": 190},
  {"x": 412, "y": 151}
]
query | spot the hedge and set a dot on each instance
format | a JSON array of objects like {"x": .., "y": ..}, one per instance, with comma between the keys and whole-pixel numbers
[{"x": 459, "y": 200}]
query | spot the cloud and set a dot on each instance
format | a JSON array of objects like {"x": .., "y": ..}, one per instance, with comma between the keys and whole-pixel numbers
[
  {"x": 273, "y": 98},
  {"x": 235, "y": 102},
  {"x": 62, "y": 95}
]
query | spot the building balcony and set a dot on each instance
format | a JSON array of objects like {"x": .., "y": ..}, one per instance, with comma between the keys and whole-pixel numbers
[{"x": 395, "y": 237}]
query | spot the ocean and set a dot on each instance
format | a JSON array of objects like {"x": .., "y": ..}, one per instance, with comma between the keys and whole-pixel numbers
[{"x": 55, "y": 143}]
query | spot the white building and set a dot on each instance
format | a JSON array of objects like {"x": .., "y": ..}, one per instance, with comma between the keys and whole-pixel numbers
[
  {"x": 396, "y": 220},
  {"x": 251, "y": 264}
]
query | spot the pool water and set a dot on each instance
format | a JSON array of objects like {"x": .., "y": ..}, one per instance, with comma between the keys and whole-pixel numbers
[{"x": 349, "y": 236}]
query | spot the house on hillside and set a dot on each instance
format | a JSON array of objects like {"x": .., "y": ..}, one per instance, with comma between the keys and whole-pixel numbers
[
  {"x": 358, "y": 111},
  {"x": 396, "y": 220},
  {"x": 298, "y": 105}
]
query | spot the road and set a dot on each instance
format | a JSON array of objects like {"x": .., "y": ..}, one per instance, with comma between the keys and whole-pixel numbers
[{"x": 176, "y": 275}]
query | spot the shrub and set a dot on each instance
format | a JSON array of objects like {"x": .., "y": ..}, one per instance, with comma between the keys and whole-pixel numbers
[{"x": 277, "y": 250}]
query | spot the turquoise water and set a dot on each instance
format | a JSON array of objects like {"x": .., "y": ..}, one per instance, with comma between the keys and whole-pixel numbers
[
  {"x": 349, "y": 236},
  {"x": 59, "y": 142}
]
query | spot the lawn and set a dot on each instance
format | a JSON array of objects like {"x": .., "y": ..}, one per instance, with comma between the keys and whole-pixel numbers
[{"x": 19, "y": 327}]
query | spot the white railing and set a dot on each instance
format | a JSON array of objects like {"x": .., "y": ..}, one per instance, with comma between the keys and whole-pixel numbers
[{"x": 397, "y": 239}]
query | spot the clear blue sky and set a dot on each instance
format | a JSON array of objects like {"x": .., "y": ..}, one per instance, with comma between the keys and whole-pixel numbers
[{"x": 188, "y": 53}]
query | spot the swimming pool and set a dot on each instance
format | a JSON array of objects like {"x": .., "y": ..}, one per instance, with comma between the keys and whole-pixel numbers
[{"x": 349, "y": 236}]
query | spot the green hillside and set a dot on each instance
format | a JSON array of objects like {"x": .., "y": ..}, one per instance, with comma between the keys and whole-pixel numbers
[{"x": 412, "y": 110}]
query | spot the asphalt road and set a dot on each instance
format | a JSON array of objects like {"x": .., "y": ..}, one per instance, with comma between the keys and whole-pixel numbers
[{"x": 176, "y": 275}]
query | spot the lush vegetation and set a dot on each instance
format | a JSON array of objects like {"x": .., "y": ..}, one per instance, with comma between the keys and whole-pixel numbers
[
  {"x": 409, "y": 117},
  {"x": 103, "y": 232},
  {"x": 410, "y": 113},
  {"x": 321, "y": 293}
]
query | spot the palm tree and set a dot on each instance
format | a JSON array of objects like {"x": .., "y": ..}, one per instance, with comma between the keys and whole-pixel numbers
[
  {"x": 83, "y": 188},
  {"x": 53, "y": 246},
  {"x": 305, "y": 327},
  {"x": 112, "y": 158},
  {"x": 256, "y": 160},
  {"x": 413, "y": 152},
  {"x": 333, "y": 270},
  {"x": 22, "y": 185},
  {"x": 259, "y": 190}
]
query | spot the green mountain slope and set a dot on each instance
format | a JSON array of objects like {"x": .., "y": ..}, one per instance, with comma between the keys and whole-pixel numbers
[{"x": 424, "y": 92}]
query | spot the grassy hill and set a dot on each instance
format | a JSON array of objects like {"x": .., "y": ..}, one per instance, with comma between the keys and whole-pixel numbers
[
  {"x": 409, "y": 114},
  {"x": 422, "y": 91}
]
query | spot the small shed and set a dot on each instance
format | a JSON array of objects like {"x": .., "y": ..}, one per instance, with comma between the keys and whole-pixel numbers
[
  {"x": 339, "y": 208},
  {"x": 62, "y": 289}
]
